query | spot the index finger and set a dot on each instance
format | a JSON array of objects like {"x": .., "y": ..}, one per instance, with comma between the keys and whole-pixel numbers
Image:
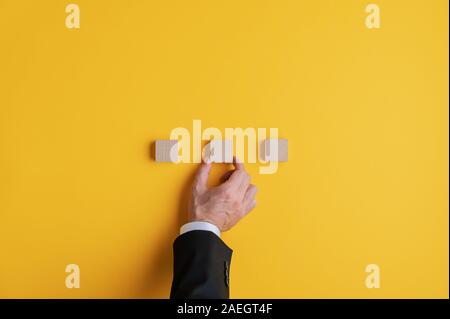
[
  {"x": 238, "y": 164},
  {"x": 238, "y": 177}
]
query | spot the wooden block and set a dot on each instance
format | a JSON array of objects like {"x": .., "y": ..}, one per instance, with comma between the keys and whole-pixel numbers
[
  {"x": 166, "y": 151},
  {"x": 274, "y": 150},
  {"x": 218, "y": 151}
]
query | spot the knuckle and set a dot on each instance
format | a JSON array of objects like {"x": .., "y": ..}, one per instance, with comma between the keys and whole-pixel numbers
[
  {"x": 226, "y": 194},
  {"x": 196, "y": 189},
  {"x": 240, "y": 173},
  {"x": 238, "y": 207}
]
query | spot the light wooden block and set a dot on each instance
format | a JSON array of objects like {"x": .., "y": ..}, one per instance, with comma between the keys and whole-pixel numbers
[
  {"x": 218, "y": 151},
  {"x": 274, "y": 150},
  {"x": 166, "y": 151}
]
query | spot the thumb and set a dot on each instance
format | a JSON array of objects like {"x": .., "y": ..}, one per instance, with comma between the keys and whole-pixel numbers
[{"x": 201, "y": 177}]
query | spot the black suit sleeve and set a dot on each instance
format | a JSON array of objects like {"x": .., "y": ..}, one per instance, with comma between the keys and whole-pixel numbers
[{"x": 201, "y": 266}]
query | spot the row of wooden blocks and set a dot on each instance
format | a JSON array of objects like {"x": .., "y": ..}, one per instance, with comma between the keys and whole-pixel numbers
[{"x": 221, "y": 151}]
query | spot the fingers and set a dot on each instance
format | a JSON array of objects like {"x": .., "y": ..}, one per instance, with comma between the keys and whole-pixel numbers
[
  {"x": 226, "y": 176},
  {"x": 245, "y": 182},
  {"x": 237, "y": 182},
  {"x": 242, "y": 173},
  {"x": 249, "y": 198},
  {"x": 238, "y": 164},
  {"x": 250, "y": 207},
  {"x": 201, "y": 178}
]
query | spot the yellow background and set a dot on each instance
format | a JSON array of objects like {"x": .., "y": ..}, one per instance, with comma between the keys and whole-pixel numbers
[{"x": 365, "y": 112}]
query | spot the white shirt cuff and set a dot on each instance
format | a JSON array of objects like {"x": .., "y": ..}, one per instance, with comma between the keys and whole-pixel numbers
[{"x": 199, "y": 226}]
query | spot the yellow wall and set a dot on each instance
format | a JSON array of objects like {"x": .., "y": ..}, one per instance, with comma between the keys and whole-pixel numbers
[{"x": 365, "y": 112}]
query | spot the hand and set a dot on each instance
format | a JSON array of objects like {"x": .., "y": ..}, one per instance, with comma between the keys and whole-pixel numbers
[{"x": 223, "y": 205}]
